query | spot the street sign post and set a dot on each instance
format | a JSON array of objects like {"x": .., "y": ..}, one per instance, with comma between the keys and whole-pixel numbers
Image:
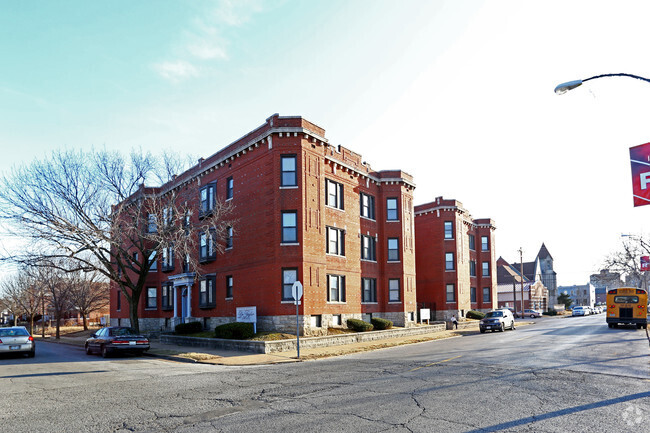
[
  {"x": 645, "y": 263},
  {"x": 296, "y": 291}
]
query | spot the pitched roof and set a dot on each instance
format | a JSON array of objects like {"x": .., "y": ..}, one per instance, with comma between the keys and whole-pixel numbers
[{"x": 543, "y": 253}]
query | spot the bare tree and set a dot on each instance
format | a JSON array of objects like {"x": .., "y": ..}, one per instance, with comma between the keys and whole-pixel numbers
[
  {"x": 8, "y": 302},
  {"x": 626, "y": 261},
  {"x": 93, "y": 210},
  {"x": 23, "y": 296},
  {"x": 58, "y": 286},
  {"x": 88, "y": 293}
]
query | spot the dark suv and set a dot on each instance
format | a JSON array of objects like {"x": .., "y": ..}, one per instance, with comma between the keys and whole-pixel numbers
[{"x": 497, "y": 320}]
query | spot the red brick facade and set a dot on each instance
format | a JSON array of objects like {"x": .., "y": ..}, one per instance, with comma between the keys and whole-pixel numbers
[
  {"x": 329, "y": 231},
  {"x": 455, "y": 259}
]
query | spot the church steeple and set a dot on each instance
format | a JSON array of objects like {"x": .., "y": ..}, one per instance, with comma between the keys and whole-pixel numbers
[{"x": 543, "y": 253}]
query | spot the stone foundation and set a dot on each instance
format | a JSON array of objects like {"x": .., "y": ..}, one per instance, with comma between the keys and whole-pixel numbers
[{"x": 310, "y": 325}]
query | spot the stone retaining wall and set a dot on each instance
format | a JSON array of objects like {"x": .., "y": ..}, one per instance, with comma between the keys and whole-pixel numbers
[{"x": 305, "y": 343}]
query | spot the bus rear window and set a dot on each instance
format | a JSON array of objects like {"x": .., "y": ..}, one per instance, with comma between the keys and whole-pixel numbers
[{"x": 626, "y": 299}]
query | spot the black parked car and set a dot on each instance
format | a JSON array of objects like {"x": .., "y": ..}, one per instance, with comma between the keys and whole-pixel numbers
[{"x": 116, "y": 339}]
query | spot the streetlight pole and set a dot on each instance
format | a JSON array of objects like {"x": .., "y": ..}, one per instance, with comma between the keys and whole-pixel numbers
[
  {"x": 561, "y": 89},
  {"x": 521, "y": 264}
]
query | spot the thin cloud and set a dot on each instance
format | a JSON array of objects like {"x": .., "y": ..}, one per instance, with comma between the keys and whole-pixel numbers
[
  {"x": 176, "y": 71},
  {"x": 206, "y": 38}
]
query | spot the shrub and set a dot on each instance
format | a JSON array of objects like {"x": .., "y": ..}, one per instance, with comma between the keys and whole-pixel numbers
[
  {"x": 188, "y": 328},
  {"x": 379, "y": 323},
  {"x": 550, "y": 312},
  {"x": 235, "y": 331},
  {"x": 359, "y": 325},
  {"x": 471, "y": 314}
]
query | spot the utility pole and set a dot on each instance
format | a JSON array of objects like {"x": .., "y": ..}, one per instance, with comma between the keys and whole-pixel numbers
[{"x": 521, "y": 264}]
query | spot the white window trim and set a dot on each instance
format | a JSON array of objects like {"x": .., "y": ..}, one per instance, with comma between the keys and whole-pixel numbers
[
  {"x": 289, "y": 187},
  {"x": 289, "y": 244}
]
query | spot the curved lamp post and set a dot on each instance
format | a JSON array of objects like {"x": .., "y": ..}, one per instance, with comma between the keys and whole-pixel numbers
[{"x": 565, "y": 87}]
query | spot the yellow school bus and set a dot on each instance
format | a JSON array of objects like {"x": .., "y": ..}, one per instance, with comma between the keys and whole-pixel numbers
[{"x": 627, "y": 305}]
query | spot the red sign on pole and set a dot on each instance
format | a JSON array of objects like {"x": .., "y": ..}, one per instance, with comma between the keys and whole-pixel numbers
[
  {"x": 640, "y": 160},
  {"x": 645, "y": 263}
]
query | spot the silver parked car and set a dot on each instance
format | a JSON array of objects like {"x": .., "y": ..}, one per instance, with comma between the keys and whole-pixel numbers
[{"x": 16, "y": 339}]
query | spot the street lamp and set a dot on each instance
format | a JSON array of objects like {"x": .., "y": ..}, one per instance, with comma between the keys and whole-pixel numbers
[{"x": 561, "y": 89}]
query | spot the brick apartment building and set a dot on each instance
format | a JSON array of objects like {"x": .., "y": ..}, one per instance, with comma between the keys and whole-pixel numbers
[
  {"x": 307, "y": 211},
  {"x": 455, "y": 259}
]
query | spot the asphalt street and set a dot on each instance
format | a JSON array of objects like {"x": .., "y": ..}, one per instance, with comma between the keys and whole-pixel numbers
[{"x": 558, "y": 375}]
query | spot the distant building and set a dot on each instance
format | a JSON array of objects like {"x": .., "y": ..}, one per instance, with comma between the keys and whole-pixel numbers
[
  {"x": 604, "y": 281},
  {"x": 509, "y": 287},
  {"x": 584, "y": 294},
  {"x": 455, "y": 259}
]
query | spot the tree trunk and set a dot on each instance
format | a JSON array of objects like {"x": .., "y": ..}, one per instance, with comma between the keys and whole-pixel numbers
[
  {"x": 133, "y": 315},
  {"x": 83, "y": 316},
  {"x": 31, "y": 324},
  {"x": 57, "y": 317}
]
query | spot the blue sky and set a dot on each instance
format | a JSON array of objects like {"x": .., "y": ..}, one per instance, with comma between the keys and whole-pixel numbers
[{"x": 456, "y": 93}]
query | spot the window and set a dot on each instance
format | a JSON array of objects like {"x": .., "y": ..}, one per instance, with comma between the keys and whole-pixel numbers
[
  {"x": 167, "y": 297},
  {"x": 228, "y": 237},
  {"x": 367, "y": 203},
  {"x": 449, "y": 230},
  {"x": 229, "y": 188},
  {"x": 368, "y": 290},
  {"x": 153, "y": 262},
  {"x": 393, "y": 249},
  {"x": 167, "y": 259},
  {"x": 152, "y": 226},
  {"x": 472, "y": 294},
  {"x": 485, "y": 246},
  {"x": 289, "y": 227},
  {"x": 334, "y": 194},
  {"x": 119, "y": 300},
  {"x": 151, "y": 297},
  {"x": 391, "y": 209},
  {"x": 393, "y": 290},
  {"x": 472, "y": 242},
  {"x": 289, "y": 172},
  {"x": 229, "y": 284},
  {"x": 168, "y": 215},
  {"x": 335, "y": 288},
  {"x": 451, "y": 293},
  {"x": 316, "y": 321},
  {"x": 289, "y": 276},
  {"x": 335, "y": 241},
  {"x": 368, "y": 248},
  {"x": 486, "y": 294},
  {"x": 207, "y": 198},
  {"x": 472, "y": 268},
  {"x": 207, "y": 292},
  {"x": 486, "y": 269},
  {"x": 207, "y": 251},
  {"x": 186, "y": 263},
  {"x": 449, "y": 261}
]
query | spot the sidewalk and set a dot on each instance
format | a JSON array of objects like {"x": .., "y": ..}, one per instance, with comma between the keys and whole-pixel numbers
[{"x": 232, "y": 357}]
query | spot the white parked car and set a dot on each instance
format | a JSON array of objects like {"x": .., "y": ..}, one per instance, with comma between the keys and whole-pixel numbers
[{"x": 579, "y": 311}]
